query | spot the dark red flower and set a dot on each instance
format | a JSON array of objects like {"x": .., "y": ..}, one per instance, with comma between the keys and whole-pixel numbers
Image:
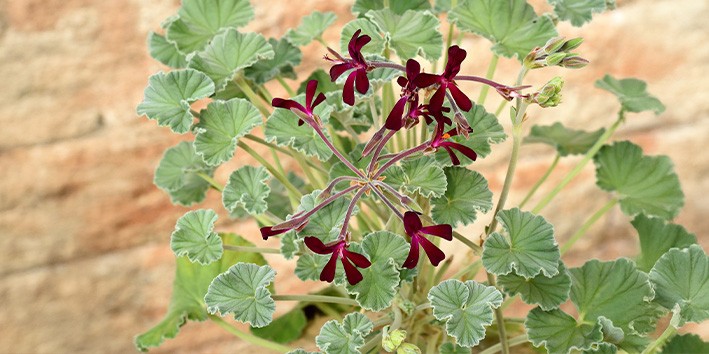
[
  {"x": 440, "y": 138},
  {"x": 409, "y": 94},
  {"x": 358, "y": 77},
  {"x": 338, "y": 250},
  {"x": 445, "y": 81},
  {"x": 268, "y": 231},
  {"x": 416, "y": 230},
  {"x": 310, "y": 104}
]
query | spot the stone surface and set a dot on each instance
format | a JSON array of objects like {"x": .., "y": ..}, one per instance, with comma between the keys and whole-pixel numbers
[{"x": 87, "y": 233}]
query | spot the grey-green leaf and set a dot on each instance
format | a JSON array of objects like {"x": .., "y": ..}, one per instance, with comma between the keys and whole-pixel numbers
[
  {"x": 165, "y": 51},
  {"x": 311, "y": 27},
  {"x": 547, "y": 292},
  {"x": 169, "y": 95},
  {"x": 579, "y": 12},
  {"x": 681, "y": 276},
  {"x": 325, "y": 224},
  {"x": 644, "y": 184},
  {"x": 229, "y": 53},
  {"x": 411, "y": 33},
  {"x": 374, "y": 47},
  {"x": 194, "y": 237},
  {"x": 466, "y": 194},
  {"x": 247, "y": 189},
  {"x": 513, "y": 26},
  {"x": 285, "y": 58},
  {"x": 686, "y": 343},
  {"x": 178, "y": 174},
  {"x": 632, "y": 94},
  {"x": 282, "y": 127},
  {"x": 566, "y": 141},
  {"x": 657, "y": 237},
  {"x": 559, "y": 332},
  {"x": 345, "y": 338},
  {"x": 422, "y": 175},
  {"x": 465, "y": 307},
  {"x": 486, "y": 131},
  {"x": 361, "y": 7},
  {"x": 528, "y": 248},
  {"x": 242, "y": 291},
  {"x": 220, "y": 126}
]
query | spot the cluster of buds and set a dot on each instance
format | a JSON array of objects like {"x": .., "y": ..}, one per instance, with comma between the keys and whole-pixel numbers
[
  {"x": 557, "y": 51},
  {"x": 549, "y": 95}
]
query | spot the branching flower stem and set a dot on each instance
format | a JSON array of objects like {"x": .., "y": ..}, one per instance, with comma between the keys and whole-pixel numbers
[
  {"x": 402, "y": 155},
  {"x": 300, "y": 218},
  {"x": 378, "y": 150},
  {"x": 337, "y": 152},
  {"x": 388, "y": 203},
  {"x": 350, "y": 210}
]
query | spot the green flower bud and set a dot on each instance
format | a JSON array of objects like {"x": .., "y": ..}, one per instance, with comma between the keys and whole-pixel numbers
[
  {"x": 530, "y": 58},
  {"x": 392, "y": 340},
  {"x": 571, "y": 44},
  {"x": 408, "y": 348},
  {"x": 573, "y": 62},
  {"x": 555, "y": 59},
  {"x": 550, "y": 94},
  {"x": 554, "y": 45}
]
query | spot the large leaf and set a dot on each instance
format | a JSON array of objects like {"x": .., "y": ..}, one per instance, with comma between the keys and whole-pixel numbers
[
  {"x": 247, "y": 189},
  {"x": 411, "y": 33},
  {"x": 169, "y": 95},
  {"x": 229, "y": 53},
  {"x": 579, "y": 12},
  {"x": 178, "y": 174},
  {"x": 377, "y": 289},
  {"x": 681, "y": 277},
  {"x": 632, "y": 94},
  {"x": 528, "y": 248},
  {"x": 282, "y": 126},
  {"x": 345, "y": 338},
  {"x": 547, "y": 292},
  {"x": 200, "y": 20},
  {"x": 375, "y": 46},
  {"x": 311, "y": 27},
  {"x": 656, "y": 238},
  {"x": 188, "y": 290},
  {"x": 221, "y": 124},
  {"x": 422, "y": 175},
  {"x": 644, "y": 184},
  {"x": 465, "y": 307},
  {"x": 511, "y": 25},
  {"x": 466, "y": 194},
  {"x": 559, "y": 332},
  {"x": 194, "y": 237},
  {"x": 284, "y": 329},
  {"x": 486, "y": 131},
  {"x": 361, "y": 7},
  {"x": 285, "y": 58},
  {"x": 686, "y": 343},
  {"x": 566, "y": 141},
  {"x": 242, "y": 291},
  {"x": 165, "y": 51}
]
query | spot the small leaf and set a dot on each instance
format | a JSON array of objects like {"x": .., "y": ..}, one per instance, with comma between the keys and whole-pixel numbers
[
  {"x": 229, "y": 53},
  {"x": 511, "y": 25},
  {"x": 309, "y": 266},
  {"x": 282, "y": 126},
  {"x": 422, "y": 175},
  {"x": 529, "y": 248},
  {"x": 285, "y": 57},
  {"x": 345, "y": 338},
  {"x": 686, "y": 343},
  {"x": 200, "y": 20},
  {"x": 193, "y": 237},
  {"x": 378, "y": 287},
  {"x": 466, "y": 194},
  {"x": 221, "y": 125},
  {"x": 632, "y": 94},
  {"x": 681, "y": 276},
  {"x": 566, "y": 141},
  {"x": 361, "y": 7},
  {"x": 578, "y": 12},
  {"x": 644, "y": 184},
  {"x": 241, "y": 290},
  {"x": 411, "y": 33},
  {"x": 559, "y": 332},
  {"x": 247, "y": 189},
  {"x": 177, "y": 174},
  {"x": 658, "y": 237},
  {"x": 169, "y": 95},
  {"x": 165, "y": 51},
  {"x": 546, "y": 292},
  {"x": 188, "y": 290},
  {"x": 290, "y": 244},
  {"x": 311, "y": 27},
  {"x": 465, "y": 307},
  {"x": 486, "y": 131},
  {"x": 374, "y": 47},
  {"x": 284, "y": 329}
]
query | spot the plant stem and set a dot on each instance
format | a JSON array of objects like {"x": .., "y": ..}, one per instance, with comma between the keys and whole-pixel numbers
[
  {"x": 582, "y": 230},
  {"x": 212, "y": 182},
  {"x": 521, "y": 339},
  {"x": 350, "y": 210},
  {"x": 319, "y": 184},
  {"x": 294, "y": 193},
  {"x": 488, "y": 75},
  {"x": 386, "y": 201},
  {"x": 540, "y": 181},
  {"x": 401, "y": 155},
  {"x": 660, "y": 341},
  {"x": 579, "y": 166},
  {"x": 316, "y": 298},
  {"x": 257, "y": 100},
  {"x": 371, "y": 343},
  {"x": 449, "y": 39},
  {"x": 287, "y": 87},
  {"x": 248, "y": 337},
  {"x": 472, "y": 266},
  {"x": 516, "y": 142},
  {"x": 251, "y": 249},
  {"x": 337, "y": 152},
  {"x": 499, "y": 317}
]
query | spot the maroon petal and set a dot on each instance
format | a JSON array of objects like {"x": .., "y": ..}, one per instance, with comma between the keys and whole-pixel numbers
[
  {"x": 394, "y": 120},
  {"x": 442, "y": 230},
  {"x": 339, "y": 69},
  {"x": 317, "y": 246},
  {"x": 454, "y": 158},
  {"x": 435, "y": 255},
  {"x": 310, "y": 92},
  {"x": 287, "y": 104},
  {"x": 413, "y": 257},
  {"x": 424, "y": 80},
  {"x": 468, "y": 152},
  {"x": 362, "y": 81},
  {"x": 318, "y": 100},
  {"x": 352, "y": 45},
  {"x": 460, "y": 98},
  {"x": 359, "y": 43},
  {"x": 352, "y": 273},
  {"x": 267, "y": 231},
  {"x": 358, "y": 259},
  {"x": 412, "y": 223},
  {"x": 456, "y": 55},
  {"x": 348, "y": 95},
  {"x": 328, "y": 272},
  {"x": 436, "y": 102},
  {"x": 413, "y": 68},
  {"x": 402, "y": 81}
]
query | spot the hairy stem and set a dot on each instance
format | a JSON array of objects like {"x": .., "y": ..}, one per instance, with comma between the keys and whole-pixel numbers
[
  {"x": 475, "y": 266},
  {"x": 540, "y": 181},
  {"x": 488, "y": 75},
  {"x": 337, "y": 152},
  {"x": 212, "y": 182},
  {"x": 248, "y": 337},
  {"x": 386, "y": 201},
  {"x": 256, "y": 139},
  {"x": 316, "y": 298},
  {"x": 509, "y": 176},
  {"x": 660, "y": 341},
  {"x": 293, "y": 192},
  {"x": 299, "y": 218},
  {"x": 378, "y": 150},
  {"x": 402, "y": 155},
  {"x": 257, "y": 100},
  {"x": 287, "y": 87},
  {"x": 582, "y": 230},
  {"x": 350, "y": 210},
  {"x": 499, "y": 317},
  {"x": 520, "y": 339}
]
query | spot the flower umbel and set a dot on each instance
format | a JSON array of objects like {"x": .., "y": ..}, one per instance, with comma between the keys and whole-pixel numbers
[
  {"x": 415, "y": 229},
  {"x": 350, "y": 260},
  {"x": 409, "y": 94},
  {"x": 445, "y": 81},
  {"x": 358, "y": 77}
]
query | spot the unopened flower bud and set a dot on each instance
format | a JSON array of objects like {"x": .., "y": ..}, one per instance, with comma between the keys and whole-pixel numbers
[
  {"x": 550, "y": 94},
  {"x": 531, "y": 58},
  {"x": 571, "y": 44},
  {"x": 554, "y": 45},
  {"x": 554, "y": 59},
  {"x": 392, "y": 340},
  {"x": 573, "y": 62},
  {"x": 408, "y": 348}
]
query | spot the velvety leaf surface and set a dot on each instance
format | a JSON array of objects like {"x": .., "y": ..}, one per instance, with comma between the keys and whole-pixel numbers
[
  {"x": 411, "y": 33},
  {"x": 632, "y": 94},
  {"x": 177, "y": 174},
  {"x": 657, "y": 237},
  {"x": 466, "y": 194},
  {"x": 311, "y": 27},
  {"x": 422, "y": 175},
  {"x": 194, "y": 237},
  {"x": 374, "y": 47},
  {"x": 282, "y": 127},
  {"x": 566, "y": 141},
  {"x": 247, "y": 189},
  {"x": 345, "y": 338},
  {"x": 285, "y": 58},
  {"x": 685, "y": 343},
  {"x": 220, "y": 126},
  {"x": 547, "y": 292},
  {"x": 559, "y": 332},
  {"x": 165, "y": 51},
  {"x": 579, "y": 12}
]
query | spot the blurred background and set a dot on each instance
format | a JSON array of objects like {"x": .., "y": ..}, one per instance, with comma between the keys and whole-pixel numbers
[{"x": 84, "y": 233}]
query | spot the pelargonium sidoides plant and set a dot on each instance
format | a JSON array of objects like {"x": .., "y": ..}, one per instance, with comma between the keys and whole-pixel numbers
[{"x": 386, "y": 142}]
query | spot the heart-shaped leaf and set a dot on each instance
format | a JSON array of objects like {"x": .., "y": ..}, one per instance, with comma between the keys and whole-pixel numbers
[
  {"x": 466, "y": 194},
  {"x": 247, "y": 189},
  {"x": 221, "y": 125}
]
